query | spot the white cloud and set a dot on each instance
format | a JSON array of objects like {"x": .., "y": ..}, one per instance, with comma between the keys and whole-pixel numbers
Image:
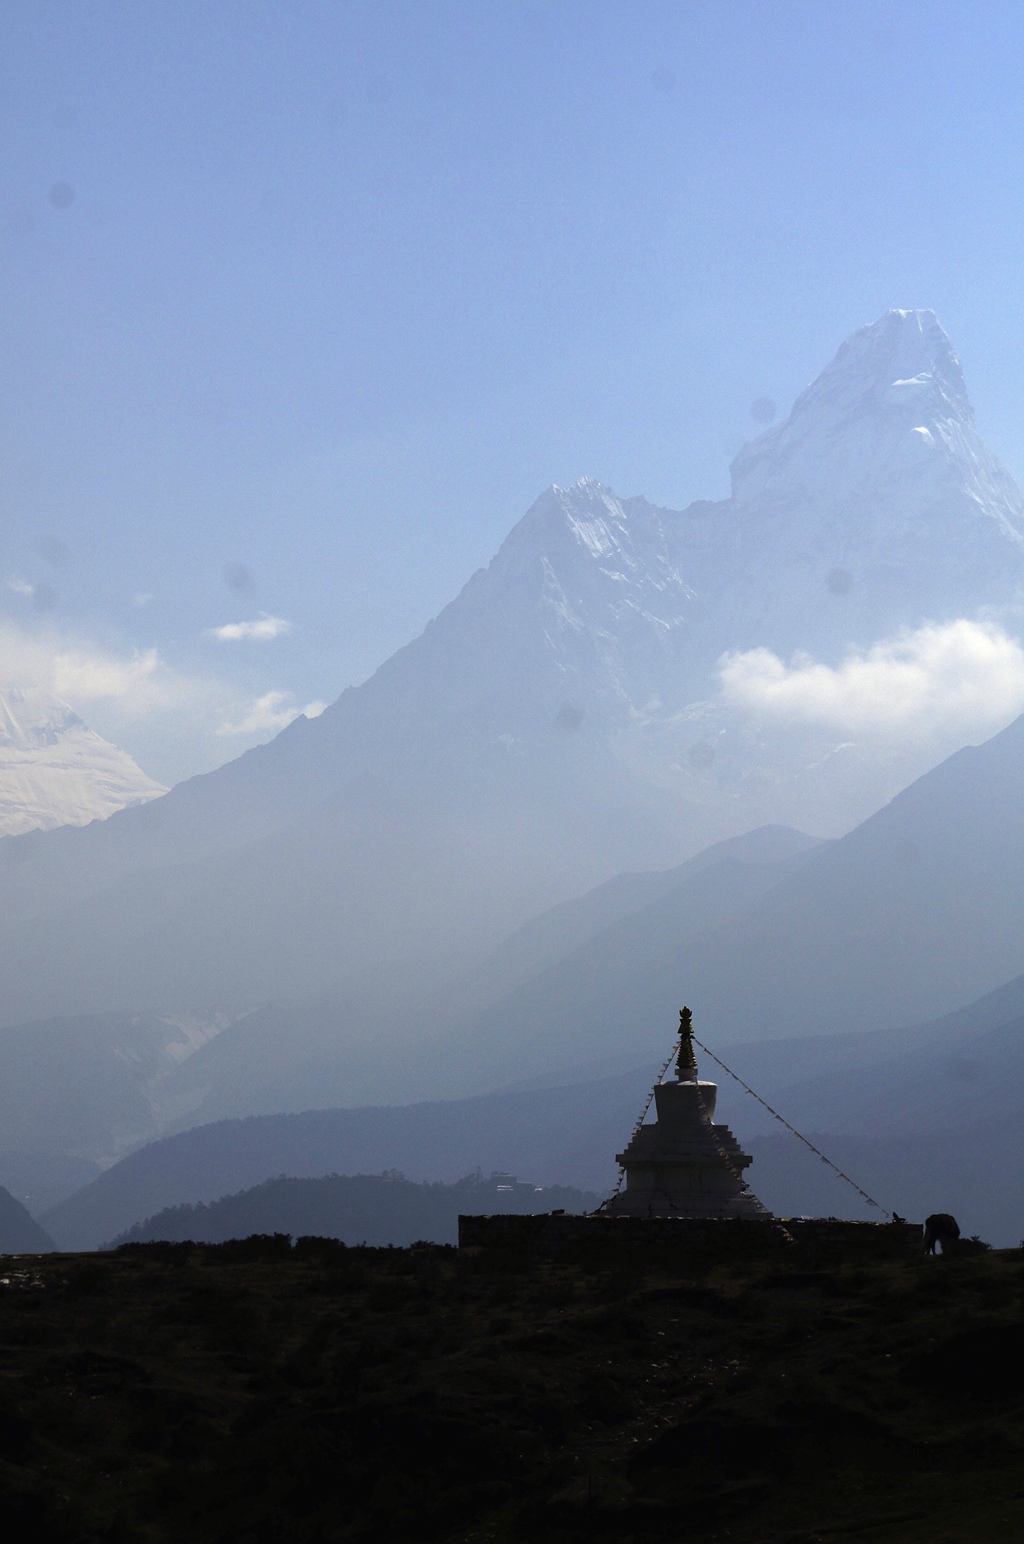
[
  {"x": 260, "y": 631},
  {"x": 172, "y": 720},
  {"x": 21, "y": 587},
  {"x": 964, "y": 676},
  {"x": 81, "y": 671},
  {"x": 140, "y": 681},
  {"x": 273, "y": 711},
  {"x": 142, "y": 597}
]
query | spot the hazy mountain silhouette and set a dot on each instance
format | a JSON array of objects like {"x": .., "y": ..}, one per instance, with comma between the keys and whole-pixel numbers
[
  {"x": 919, "y": 909},
  {"x": 945, "y": 1081},
  {"x": 973, "y": 1171},
  {"x": 296, "y": 1056},
  {"x": 375, "y": 1209},
  {"x": 90, "y": 1085},
  {"x": 912, "y": 913},
  {"x": 932, "y": 1077},
  {"x": 558, "y": 723},
  {"x": 94, "y": 1085},
  {"x": 20, "y": 1233},
  {"x": 555, "y": 1136}
]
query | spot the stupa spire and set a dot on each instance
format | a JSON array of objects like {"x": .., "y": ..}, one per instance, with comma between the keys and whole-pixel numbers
[{"x": 686, "y": 1061}]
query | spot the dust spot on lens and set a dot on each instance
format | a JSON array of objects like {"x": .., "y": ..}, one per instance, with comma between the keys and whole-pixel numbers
[
  {"x": 664, "y": 80},
  {"x": 56, "y": 552},
  {"x": 763, "y": 411},
  {"x": 965, "y": 1070},
  {"x": 17, "y": 850},
  {"x": 62, "y": 195},
  {"x": 839, "y": 581},
  {"x": 569, "y": 717},
  {"x": 700, "y": 757},
  {"x": 237, "y": 577},
  {"x": 44, "y": 597}
]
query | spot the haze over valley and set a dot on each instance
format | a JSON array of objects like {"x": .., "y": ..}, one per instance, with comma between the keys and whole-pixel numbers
[{"x": 723, "y": 751}]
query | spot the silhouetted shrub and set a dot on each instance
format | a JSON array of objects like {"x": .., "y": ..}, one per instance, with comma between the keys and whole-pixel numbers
[
  {"x": 325, "y": 1251},
  {"x": 258, "y": 1246},
  {"x": 162, "y": 1250}
]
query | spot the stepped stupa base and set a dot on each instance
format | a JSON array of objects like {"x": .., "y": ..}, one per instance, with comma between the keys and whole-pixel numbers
[{"x": 638, "y": 1202}]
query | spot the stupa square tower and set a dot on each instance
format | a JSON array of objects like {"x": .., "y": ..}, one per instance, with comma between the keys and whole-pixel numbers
[{"x": 682, "y": 1164}]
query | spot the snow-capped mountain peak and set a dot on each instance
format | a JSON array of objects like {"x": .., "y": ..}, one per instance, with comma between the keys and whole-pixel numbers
[
  {"x": 904, "y": 360},
  {"x": 587, "y": 534},
  {"x": 56, "y": 771},
  {"x": 886, "y": 427},
  {"x": 601, "y": 575}
]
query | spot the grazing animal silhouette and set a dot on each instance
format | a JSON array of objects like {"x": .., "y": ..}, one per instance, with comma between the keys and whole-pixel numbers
[{"x": 940, "y": 1228}]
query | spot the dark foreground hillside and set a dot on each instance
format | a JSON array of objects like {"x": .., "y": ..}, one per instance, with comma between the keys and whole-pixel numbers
[{"x": 260, "y": 1392}]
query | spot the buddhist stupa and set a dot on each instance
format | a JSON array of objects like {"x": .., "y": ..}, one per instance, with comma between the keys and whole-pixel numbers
[{"x": 682, "y": 1165}]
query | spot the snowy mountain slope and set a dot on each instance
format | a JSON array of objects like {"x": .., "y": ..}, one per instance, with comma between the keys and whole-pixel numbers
[
  {"x": 55, "y": 771},
  {"x": 560, "y": 721}
]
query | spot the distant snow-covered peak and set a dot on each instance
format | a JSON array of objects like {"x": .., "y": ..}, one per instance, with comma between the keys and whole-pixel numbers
[
  {"x": 56, "y": 771},
  {"x": 33, "y": 718}
]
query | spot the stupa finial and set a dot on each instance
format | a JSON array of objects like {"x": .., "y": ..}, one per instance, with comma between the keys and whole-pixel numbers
[{"x": 686, "y": 1061}]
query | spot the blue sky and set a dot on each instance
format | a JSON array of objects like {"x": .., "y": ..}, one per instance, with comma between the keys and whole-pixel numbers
[{"x": 304, "y": 304}]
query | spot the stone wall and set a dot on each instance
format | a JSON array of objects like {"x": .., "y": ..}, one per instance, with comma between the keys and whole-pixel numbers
[{"x": 824, "y": 1237}]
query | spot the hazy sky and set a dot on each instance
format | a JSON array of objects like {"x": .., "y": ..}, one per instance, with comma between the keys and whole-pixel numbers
[{"x": 303, "y": 304}]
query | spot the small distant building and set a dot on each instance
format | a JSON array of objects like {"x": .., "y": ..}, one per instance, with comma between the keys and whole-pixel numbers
[{"x": 682, "y": 1164}]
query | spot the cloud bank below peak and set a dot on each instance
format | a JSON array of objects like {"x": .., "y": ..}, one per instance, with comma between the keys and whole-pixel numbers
[{"x": 961, "y": 677}]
